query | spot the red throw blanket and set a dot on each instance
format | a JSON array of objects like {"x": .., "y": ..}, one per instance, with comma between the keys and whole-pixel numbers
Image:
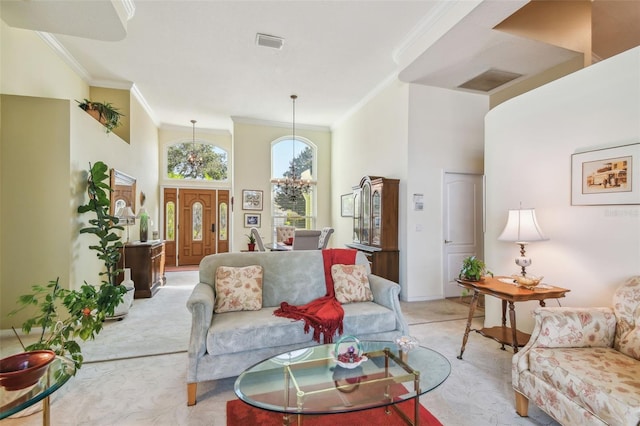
[{"x": 325, "y": 314}]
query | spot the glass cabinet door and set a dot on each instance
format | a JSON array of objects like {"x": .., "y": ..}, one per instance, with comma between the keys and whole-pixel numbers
[
  {"x": 366, "y": 214},
  {"x": 357, "y": 215},
  {"x": 376, "y": 217}
]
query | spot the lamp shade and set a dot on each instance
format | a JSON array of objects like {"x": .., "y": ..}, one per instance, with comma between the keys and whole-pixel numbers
[
  {"x": 522, "y": 227},
  {"x": 126, "y": 215}
]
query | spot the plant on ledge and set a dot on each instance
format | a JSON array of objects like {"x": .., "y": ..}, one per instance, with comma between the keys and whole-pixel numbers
[
  {"x": 473, "y": 269},
  {"x": 104, "y": 112},
  {"x": 88, "y": 307}
]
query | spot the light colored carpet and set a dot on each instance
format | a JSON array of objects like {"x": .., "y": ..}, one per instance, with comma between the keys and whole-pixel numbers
[
  {"x": 151, "y": 390},
  {"x": 158, "y": 325}
]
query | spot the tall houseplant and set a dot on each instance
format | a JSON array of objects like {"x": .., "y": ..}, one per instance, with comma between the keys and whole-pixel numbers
[{"x": 86, "y": 308}]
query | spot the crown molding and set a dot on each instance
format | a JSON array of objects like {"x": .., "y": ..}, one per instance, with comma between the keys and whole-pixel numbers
[
  {"x": 64, "y": 54},
  {"x": 255, "y": 121},
  {"x": 173, "y": 127}
]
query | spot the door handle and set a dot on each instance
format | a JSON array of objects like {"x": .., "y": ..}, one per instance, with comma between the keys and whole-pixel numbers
[
  {"x": 213, "y": 227},
  {"x": 448, "y": 241}
]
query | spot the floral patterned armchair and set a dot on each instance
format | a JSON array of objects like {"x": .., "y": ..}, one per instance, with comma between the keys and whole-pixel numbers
[{"x": 582, "y": 365}]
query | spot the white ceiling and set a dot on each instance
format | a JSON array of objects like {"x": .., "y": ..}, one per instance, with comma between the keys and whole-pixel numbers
[{"x": 198, "y": 59}]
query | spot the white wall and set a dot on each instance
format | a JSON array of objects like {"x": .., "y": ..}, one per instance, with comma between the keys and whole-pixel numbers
[
  {"x": 372, "y": 141},
  {"x": 529, "y": 142},
  {"x": 446, "y": 134},
  {"x": 413, "y": 133}
]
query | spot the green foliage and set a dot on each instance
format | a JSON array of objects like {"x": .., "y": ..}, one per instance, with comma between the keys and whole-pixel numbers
[
  {"x": 252, "y": 238},
  {"x": 86, "y": 308},
  {"x": 473, "y": 269},
  {"x": 108, "y": 114},
  {"x": 196, "y": 161}
]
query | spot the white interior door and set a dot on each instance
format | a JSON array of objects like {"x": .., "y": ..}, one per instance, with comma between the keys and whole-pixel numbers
[{"x": 463, "y": 230}]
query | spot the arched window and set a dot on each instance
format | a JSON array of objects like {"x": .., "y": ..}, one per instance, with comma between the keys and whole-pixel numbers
[
  {"x": 292, "y": 162},
  {"x": 197, "y": 161}
]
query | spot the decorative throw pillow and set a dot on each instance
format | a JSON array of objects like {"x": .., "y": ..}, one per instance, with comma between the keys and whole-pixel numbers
[
  {"x": 351, "y": 284},
  {"x": 238, "y": 289}
]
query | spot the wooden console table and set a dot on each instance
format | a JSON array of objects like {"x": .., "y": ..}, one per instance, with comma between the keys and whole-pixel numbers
[{"x": 508, "y": 293}]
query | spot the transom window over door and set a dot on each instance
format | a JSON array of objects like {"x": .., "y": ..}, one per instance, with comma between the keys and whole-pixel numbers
[
  {"x": 197, "y": 161},
  {"x": 293, "y": 160}
]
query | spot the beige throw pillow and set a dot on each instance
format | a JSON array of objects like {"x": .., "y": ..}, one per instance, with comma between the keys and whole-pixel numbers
[
  {"x": 238, "y": 289},
  {"x": 351, "y": 284}
]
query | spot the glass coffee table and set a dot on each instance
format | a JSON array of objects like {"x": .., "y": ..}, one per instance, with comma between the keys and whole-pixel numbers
[
  {"x": 59, "y": 371},
  {"x": 309, "y": 381}
]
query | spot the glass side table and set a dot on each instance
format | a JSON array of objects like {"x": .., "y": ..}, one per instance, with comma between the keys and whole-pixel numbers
[{"x": 58, "y": 373}]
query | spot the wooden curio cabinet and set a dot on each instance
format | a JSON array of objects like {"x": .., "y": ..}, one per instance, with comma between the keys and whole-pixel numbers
[{"x": 375, "y": 224}]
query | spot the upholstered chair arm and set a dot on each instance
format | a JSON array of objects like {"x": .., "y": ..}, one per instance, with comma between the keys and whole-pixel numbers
[
  {"x": 386, "y": 293},
  {"x": 200, "y": 304},
  {"x": 566, "y": 328}
]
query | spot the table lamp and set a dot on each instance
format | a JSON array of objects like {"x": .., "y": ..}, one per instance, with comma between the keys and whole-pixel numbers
[
  {"x": 522, "y": 228},
  {"x": 126, "y": 218}
]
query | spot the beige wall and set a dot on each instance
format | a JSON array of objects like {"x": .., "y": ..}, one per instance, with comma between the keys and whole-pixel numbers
[
  {"x": 34, "y": 179},
  {"x": 529, "y": 141},
  {"x": 47, "y": 145},
  {"x": 252, "y": 154}
]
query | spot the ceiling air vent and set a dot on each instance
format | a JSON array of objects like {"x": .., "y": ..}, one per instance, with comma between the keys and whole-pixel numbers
[
  {"x": 489, "y": 80},
  {"x": 270, "y": 41}
]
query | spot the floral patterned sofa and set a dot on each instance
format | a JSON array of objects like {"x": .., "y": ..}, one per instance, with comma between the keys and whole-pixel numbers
[{"x": 582, "y": 365}]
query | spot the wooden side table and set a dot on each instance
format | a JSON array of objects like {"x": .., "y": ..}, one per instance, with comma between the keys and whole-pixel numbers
[{"x": 501, "y": 288}]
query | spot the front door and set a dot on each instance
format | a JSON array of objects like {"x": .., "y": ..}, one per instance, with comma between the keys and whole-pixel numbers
[
  {"x": 463, "y": 231},
  {"x": 199, "y": 226}
]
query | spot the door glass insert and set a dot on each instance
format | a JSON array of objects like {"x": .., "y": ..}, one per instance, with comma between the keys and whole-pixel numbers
[
  {"x": 196, "y": 221},
  {"x": 170, "y": 214},
  {"x": 223, "y": 222}
]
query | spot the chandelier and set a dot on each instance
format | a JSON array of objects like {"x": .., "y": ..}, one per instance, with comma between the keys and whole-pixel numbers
[
  {"x": 193, "y": 157},
  {"x": 292, "y": 185}
]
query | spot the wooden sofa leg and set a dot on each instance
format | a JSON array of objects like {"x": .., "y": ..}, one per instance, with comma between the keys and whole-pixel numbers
[
  {"x": 191, "y": 393},
  {"x": 522, "y": 404}
]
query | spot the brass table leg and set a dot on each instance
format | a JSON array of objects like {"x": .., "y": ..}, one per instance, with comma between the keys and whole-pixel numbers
[
  {"x": 46, "y": 412},
  {"x": 472, "y": 308}
]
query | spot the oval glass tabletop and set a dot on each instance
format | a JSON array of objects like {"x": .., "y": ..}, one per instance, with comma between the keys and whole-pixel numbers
[
  {"x": 309, "y": 381},
  {"x": 57, "y": 374}
]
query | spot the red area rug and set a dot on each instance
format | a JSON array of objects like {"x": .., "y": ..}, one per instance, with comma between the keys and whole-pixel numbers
[{"x": 240, "y": 414}]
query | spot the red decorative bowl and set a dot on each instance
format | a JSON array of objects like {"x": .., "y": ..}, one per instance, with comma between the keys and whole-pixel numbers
[{"x": 24, "y": 369}]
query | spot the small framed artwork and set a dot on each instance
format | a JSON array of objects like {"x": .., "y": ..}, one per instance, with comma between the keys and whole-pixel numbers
[
  {"x": 606, "y": 176},
  {"x": 251, "y": 199},
  {"x": 346, "y": 205},
  {"x": 252, "y": 220}
]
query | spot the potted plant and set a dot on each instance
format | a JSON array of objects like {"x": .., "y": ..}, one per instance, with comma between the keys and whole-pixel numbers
[
  {"x": 85, "y": 309},
  {"x": 473, "y": 269},
  {"x": 252, "y": 242},
  {"x": 104, "y": 112}
]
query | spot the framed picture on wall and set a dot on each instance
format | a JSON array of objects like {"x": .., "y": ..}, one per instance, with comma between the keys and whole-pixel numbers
[
  {"x": 251, "y": 199},
  {"x": 346, "y": 205},
  {"x": 606, "y": 176},
  {"x": 252, "y": 220}
]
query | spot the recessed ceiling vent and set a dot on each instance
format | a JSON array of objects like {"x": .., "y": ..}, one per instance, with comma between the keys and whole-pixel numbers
[
  {"x": 489, "y": 80},
  {"x": 270, "y": 41}
]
